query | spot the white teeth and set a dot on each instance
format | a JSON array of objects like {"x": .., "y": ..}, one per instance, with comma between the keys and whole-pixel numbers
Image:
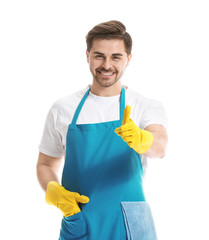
[{"x": 106, "y": 73}]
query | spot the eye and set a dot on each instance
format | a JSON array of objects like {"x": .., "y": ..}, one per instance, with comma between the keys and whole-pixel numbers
[
  {"x": 115, "y": 57},
  {"x": 99, "y": 56}
]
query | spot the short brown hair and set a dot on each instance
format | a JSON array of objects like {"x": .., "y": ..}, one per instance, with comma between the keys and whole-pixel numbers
[{"x": 109, "y": 30}]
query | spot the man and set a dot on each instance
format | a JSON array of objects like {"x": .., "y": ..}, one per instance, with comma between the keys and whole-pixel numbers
[{"x": 103, "y": 131}]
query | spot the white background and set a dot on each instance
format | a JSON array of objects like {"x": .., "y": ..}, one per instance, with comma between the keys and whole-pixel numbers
[{"x": 42, "y": 58}]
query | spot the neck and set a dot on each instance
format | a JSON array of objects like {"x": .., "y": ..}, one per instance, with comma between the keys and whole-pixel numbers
[{"x": 106, "y": 91}]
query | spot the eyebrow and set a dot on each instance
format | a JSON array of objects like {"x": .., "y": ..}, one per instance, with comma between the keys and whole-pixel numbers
[{"x": 114, "y": 54}]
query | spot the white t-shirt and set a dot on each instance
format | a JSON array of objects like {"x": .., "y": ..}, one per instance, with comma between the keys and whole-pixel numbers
[{"x": 96, "y": 109}]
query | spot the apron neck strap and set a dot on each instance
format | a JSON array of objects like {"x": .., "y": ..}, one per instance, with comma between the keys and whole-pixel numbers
[{"x": 122, "y": 105}]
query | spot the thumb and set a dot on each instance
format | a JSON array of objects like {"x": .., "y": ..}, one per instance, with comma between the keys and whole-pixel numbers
[
  {"x": 81, "y": 198},
  {"x": 126, "y": 114}
]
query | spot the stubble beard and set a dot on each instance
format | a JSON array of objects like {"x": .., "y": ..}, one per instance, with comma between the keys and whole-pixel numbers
[{"x": 105, "y": 82}]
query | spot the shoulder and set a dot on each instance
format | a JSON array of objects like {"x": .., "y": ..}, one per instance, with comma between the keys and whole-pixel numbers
[
  {"x": 138, "y": 100},
  {"x": 146, "y": 111},
  {"x": 68, "y": 103}
]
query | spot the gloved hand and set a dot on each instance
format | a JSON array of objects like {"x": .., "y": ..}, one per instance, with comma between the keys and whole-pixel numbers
[
  {"x": 63, "y": 199},
  {"x": 138, "y": 139}
]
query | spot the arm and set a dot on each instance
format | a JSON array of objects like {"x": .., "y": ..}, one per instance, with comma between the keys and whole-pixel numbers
[
  {"x": 57, "y": 195},
  {"x": 47, "y": 169},
  {"x": 150, "y": 141},
  {"x": 158, "y": 148}
]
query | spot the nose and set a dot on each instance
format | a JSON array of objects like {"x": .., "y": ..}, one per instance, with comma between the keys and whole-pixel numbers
[{"x": 107, "y": 64}]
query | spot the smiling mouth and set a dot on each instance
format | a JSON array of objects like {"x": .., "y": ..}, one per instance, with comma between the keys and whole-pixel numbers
[{"x": 106, "y": 73}]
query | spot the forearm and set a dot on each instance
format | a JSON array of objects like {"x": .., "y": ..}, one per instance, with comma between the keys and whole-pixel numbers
[
  {"x": 158, "y": 148},
  {"x": 47, "y": 168},
  {"x": 45, "y": 174}
]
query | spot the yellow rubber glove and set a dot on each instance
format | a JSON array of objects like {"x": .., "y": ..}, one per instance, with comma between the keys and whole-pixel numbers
[
  {"x": 138, "y": 139},
  {"x": 63, "y": 199}
]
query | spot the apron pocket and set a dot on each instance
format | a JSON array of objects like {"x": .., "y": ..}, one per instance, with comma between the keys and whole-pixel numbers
[
  {"x": 138, "y": 221},
  {"x": 73, "y": 227}
]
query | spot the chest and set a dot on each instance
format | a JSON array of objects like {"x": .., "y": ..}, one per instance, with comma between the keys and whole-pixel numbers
[{"x": 96, "y": 112}]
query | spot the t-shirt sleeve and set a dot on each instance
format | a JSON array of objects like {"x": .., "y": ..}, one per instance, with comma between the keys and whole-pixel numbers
[
  {"x": 51, "y": 141},
  {"x": 154, "y": 113}
]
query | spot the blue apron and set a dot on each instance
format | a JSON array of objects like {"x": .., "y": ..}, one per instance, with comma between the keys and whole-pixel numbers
[{"x": 100, "y": 165}]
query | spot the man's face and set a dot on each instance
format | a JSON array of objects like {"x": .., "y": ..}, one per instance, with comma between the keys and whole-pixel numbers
[{"x": 107, "y": 60}]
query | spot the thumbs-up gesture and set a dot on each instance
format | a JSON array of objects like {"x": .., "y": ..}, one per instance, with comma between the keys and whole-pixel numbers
[{"x": 138, "y": 139}]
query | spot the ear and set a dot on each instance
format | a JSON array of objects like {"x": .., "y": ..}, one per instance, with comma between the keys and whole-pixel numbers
[
  {"x": 87, "y": 55},
  {"x": 129, "y": 59}
]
